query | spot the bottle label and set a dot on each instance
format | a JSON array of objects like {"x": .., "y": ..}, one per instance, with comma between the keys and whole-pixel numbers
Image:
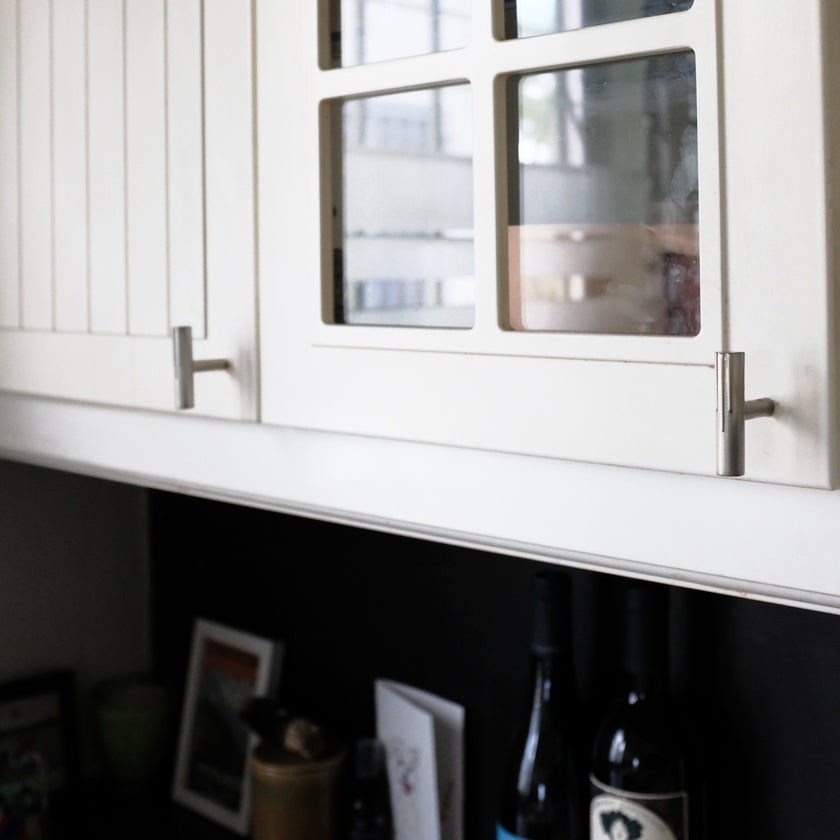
[
  {"x": 501, "y": 834},
  {"x": 619, "y": 815}
]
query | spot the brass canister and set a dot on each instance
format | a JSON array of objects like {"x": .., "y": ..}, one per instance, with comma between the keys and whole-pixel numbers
[{"x": 293, "y": 798}]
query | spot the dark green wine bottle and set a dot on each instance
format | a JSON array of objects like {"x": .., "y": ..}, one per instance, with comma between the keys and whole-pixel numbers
[
  {"x": 638, "y": 774},
  {"x": 540, "y": 796}
]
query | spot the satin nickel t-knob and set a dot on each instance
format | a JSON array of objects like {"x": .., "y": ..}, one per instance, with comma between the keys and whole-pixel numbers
[
  {"x": 186, "y": 366},
  {"x": 733, "y": 412}
]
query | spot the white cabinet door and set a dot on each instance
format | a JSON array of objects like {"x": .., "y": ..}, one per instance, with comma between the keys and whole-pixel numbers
[
  {"x": 127, "y": 201},
  {"x": 484, "y": 226}
]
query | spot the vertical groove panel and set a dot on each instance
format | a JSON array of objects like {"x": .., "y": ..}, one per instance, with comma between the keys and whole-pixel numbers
[
  {"x": 146, "y": 167},
  {"x": 106, "y": 165},
  {"x": 9, "y": 270},
  {"x": 229, "y": 150},
  {"x": 35, "y": 164},
  {"x": 70, "y": 166},
  {"x": 185, "y": 156}
]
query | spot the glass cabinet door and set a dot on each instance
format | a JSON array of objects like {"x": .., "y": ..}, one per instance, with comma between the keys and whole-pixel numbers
[
  {"x": 535, "y": 196},
  {"x": 487, "y": 228}
]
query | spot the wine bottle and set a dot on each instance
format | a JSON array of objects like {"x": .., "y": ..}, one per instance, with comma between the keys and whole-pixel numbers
[
  {"x": 540, "y": 797},
  {"x": 637, "y": 779}
]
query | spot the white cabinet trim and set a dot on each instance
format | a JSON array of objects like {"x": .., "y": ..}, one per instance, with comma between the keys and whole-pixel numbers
[{"x": 731, "y": 536}]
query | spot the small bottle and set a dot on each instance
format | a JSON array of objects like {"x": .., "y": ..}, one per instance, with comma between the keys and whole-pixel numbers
[
  {"x": 540, "y": 797},
  {"x": 637, "y": 779},
  {"x": 369, "y": 816}
]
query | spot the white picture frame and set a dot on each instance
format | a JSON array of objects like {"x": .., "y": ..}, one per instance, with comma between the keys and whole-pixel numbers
[{"x": 227, "y": 668}]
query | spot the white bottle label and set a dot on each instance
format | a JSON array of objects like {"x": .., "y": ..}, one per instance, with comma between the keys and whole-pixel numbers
[{"x": 619, "y": 815}]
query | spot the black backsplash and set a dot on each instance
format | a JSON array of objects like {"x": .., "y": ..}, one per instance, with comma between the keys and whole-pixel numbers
[{"x": 760, "y": 683}]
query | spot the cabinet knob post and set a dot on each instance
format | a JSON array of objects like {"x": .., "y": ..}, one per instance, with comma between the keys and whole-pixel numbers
[
  {"x": 732, "y": 413},
  {"x": 186, "y": 367}
]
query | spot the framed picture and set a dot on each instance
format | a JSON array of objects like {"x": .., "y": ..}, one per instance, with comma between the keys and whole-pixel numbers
[
  {"x": 227, "y": 668},
  {"x": 38, "y": 755}
]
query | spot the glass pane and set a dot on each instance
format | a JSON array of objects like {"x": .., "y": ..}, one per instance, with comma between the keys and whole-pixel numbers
[
  {"x": 603, "y": 209},
  {"x": 405, "y": 210},
  {"x": 539, "y": 17},
  {"x": 364, "y": 31}
]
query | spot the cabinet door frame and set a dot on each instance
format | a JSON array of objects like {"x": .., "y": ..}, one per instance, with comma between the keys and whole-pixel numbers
[
  {"x": 163, "y": 188},
  {"x": 637, "y": 402}
]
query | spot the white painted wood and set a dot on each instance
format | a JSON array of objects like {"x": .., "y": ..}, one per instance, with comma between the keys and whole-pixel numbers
[
  {"x": 109, "y": 369},
  {"x": 146, "y": 169},
  {"x": 185, "y": 160},
  {"x": 831, "y": 71},
  {"x": 561, "y": 408},
  {"x": 133, "y": 202},
  {"x": 545, "y": 406},
  {"x": 567, "y": 396},
  {"x": 69, "y": 66},
  {"x": 781, "y": 283},
  {"x": 741, "y": 538},
  {"x": 35, "y": 161},
  {"x": 106, "y": 162},
  {"x": 9, "y": 241},
  {"x": 230, "y": 208},
  {"x": 767, "y": 280}
]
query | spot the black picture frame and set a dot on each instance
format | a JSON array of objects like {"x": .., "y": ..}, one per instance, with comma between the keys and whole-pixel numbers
[{"x": 39, "y": 759}]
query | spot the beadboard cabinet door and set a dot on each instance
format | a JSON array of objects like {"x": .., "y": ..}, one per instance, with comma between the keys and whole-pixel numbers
[
  {"x": 126, "y": 207},
  {"x": 377, "y": 321}
]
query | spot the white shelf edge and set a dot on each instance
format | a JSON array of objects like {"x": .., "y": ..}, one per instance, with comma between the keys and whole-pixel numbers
[{"x": 322, "y": 480}]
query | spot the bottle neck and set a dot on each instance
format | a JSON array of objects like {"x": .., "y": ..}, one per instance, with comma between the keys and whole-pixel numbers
[
  {"x": 551, "y": 679},
  {"x": 545, "y": 668},
  {"x": 645, "y": 649},
  {"x": 551, "y": 655}
]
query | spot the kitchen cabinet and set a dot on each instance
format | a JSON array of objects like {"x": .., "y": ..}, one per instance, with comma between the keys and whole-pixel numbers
[
  {"x": 445, "y": 232},
  {"x": 445, "y": 220},
  {"x": 463, "y": 365},
  {"x": 127, "y": 202}
]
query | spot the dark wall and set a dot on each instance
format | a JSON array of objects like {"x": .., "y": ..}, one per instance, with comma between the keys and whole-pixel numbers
[{"x": 760, "y": 683}]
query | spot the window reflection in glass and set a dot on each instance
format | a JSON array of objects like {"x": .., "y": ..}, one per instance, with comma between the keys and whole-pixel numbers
[
  {"x": 365, "y": 31},
  {"x": 603, "y": 206},
  {"x": 524, "y": 18},
  {"x": 404, "y": 210}
]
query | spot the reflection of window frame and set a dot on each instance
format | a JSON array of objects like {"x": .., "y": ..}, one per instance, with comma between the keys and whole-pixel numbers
[
  {"x": 574, "y": 14},
  {"x": 360, "y": 31},
  {"x": 663, "y": 87},
  {"x": 361, "y": 34},
  {"x": 442, "y": 292},
  {"x": 571, "y": 115}
]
